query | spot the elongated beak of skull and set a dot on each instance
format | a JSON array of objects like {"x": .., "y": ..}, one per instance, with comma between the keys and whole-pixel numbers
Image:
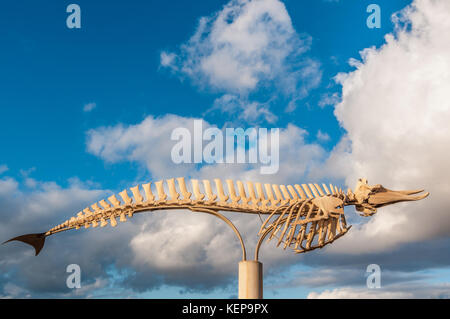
[{"x": 386, "y": 197}]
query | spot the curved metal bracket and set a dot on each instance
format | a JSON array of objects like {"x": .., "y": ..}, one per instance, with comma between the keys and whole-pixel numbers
[
  {"x": 229, "y": 223},
  {"x": 260, "y": 241}
]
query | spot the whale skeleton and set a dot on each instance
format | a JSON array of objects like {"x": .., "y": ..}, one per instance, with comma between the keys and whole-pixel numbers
[{"x": 302, "y": 217}]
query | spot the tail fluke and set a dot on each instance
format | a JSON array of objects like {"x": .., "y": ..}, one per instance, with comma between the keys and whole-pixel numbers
[{"x": 35, "y": 240}]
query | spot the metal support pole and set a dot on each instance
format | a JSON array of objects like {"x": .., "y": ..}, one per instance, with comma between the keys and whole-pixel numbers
[{"x": 250, "y": 279}]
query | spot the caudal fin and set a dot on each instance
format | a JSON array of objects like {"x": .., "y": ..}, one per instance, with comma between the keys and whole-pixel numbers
[{"x": 35, "y": 240}]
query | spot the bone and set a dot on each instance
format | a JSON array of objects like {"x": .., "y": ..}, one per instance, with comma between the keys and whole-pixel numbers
[
  {"x": 113, "y": 221},
  {"x": 332, "y": 189},
  {"x": 160, "y": 190},
  {"x": 313, "y": 189},
  {"x": 300, "y": 237},
  {"x": 138, "y": 198},
  {"x": 184, "y": 192},
  {"x": 196, "y": 189},
  {"x": 96, "y": 208},
  {"x": 172, "y": 189},
  {"x": 326, "y": 227},
  {"x": 252, "y": 195},
  {"x": 103, "y": 222},
  {"x": 289, "y": 236},
  {"x": 277, "y": 222},
  {"x": 275, "y": 227},
  {"x": 233, "y": 196},
  {"x": 321, "y": 193},
  {"x": 208, "y": 190},
  {"x": 113, "y": 199},
  {"x": 279, "y": 196},
  {"x": 94, "y": 224},
  {"x": 332, "y": 228},
  {"x": 130, "y": 213},
  {"x": 104, "y": 204},
  {"x": 308, "y": 192},
  {"x": 275, "y": 211},
  {"x": 338, "y": 226},
  {"x": 302, "y": 233},
  {"x": 300, "y": 192},
  {"x": 122, "y": 217},
  {"x": 311, "y": 234},
  {"x": 293, "y": 193},
  {"x": 411, "y": 192},
  {"x": 326, "y": 189},
  {"x": 242, "y": 194},
  {"x": 286, "y": 224},
  {"x": 350, "y": 194},
  {"x": 87, "y": 211},
  {"x": 261, "y": 196},
  {"x": 298, "y": 214},
  {"x": 72, "y": 221},
  {"x": 150, "y": 198},
  {"x": 270, "y": 196},
  {"x": 223, "y": 198},
  {"x": 322, "y": 226},
  {"x": 126, "y": 199},
  {"x": 344, "y": 223},
  {"x": 288, "y": 198}
]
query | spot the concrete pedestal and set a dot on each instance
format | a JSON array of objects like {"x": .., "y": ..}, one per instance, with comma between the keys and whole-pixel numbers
[{"x": 250, "y": 279}]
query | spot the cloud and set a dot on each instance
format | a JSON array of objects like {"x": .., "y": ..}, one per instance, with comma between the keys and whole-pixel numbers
[
  {"x": 345, "y": 276},
  {"x": 3, "y": 168},
  {"x": 401, "y": 291},
  {"x": 396, "y": 110},
  {"x": 322, "y": 136},
  {"x": 29, "y": 211},
  {"x": 244, "y": 110},
  {"x": 149, "y": 144},
  {"x": 329, "y": 99},
  {"x": 89, "y": 107},
  {"x": 168, "y": 59},
  {"x": 245, "y": 47}
]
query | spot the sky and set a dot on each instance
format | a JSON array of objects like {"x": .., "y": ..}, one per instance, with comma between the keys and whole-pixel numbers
[{"x": 87, "y": 112}]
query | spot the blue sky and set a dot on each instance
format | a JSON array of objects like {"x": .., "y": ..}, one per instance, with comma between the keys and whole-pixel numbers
[
  {"x": 49, "y": 72},
  {"x": 56, "y": 151}
]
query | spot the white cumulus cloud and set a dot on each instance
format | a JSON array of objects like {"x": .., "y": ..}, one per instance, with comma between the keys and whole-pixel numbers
[
  {"x": 396, "y": 110},
  {"x": 246, "y": 46}
]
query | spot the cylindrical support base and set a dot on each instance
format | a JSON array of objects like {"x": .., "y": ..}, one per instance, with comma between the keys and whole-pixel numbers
[{"x": 250, "y": 279}]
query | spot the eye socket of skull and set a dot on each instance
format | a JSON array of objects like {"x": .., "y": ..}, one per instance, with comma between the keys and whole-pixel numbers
[{"x": 377, "y": 188}]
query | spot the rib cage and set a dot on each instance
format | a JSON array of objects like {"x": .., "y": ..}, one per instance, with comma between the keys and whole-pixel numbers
[
  {"x": 172, "y": 193},
  {"x": 304, "y": 226}
]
